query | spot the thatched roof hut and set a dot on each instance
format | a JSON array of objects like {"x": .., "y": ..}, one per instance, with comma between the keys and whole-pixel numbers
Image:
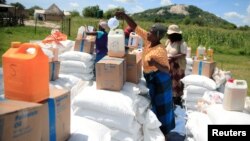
[{"x": 53, "y": 13}]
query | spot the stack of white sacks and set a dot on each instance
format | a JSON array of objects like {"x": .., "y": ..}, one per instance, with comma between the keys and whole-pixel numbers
[
  {"x": 78, "y": 64},
  {"x": 125, "y": 112},
  {"x": 195, "y": 87},
  {"x": 213, "y": 113},
  {"x": 204, "y": 105},
  {"x": 74, "y": 67}
]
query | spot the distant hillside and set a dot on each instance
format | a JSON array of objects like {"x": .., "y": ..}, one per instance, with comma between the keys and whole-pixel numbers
[{"x": 183, "y": 14}]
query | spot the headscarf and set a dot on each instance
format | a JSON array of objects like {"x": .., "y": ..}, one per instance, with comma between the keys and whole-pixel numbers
[
  {"x": 103, "y": 24},
  {"x": 159, "y": 30}
]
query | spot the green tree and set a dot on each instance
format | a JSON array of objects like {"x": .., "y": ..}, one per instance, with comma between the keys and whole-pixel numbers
[
  {"x": 111, "y": 12},
  {"x": 2, "y": 1},
  {"x": 159, "y": 20},
  {"x": 246, "y": 27},
  {"x": 18, "y": 5},
  {"x": 90, "y": 11},
  {"x": 32, "y": 10},
  {"x": 74, "y": 13},
  {"x": 187, "y": 20}
]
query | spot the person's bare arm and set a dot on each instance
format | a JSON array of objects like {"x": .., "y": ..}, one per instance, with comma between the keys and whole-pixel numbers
[
  {"x": 174, "y": 57},
  {"x": 128, "y": 19}
]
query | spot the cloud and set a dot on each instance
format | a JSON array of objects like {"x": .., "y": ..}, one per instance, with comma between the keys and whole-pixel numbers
[
  {"x": 236, "y": 4},
  {"x": 166, "y": 2},
  {"x": 233, "y": 15},
  {"x": 137, "y": 9},
  {"x": 246, "y": 20},
  {"x": 74, "y": 4},
  {"x": 243, "y": 19},
  {"x": 248, "y": 9},
  {"x": 125, "y": 1},
  {"x": 111, "y": 6}
]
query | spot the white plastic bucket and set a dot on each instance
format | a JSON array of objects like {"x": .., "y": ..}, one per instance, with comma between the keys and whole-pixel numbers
[{"x": 234, "y": 95}]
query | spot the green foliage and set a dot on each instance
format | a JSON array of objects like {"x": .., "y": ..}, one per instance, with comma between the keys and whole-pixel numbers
[
  {"x": 90, "y": 11},
  {"x": 196, "y": 16},
  {"x": 220, "y": 39},
  {"x": 99, "y": 14},
  {"x": 238, "y": 65},
  {"x": 111, "y": 12},
  {"x": 159, "y": 20},
  {"x": 18, "y": 5},
  {"x": 74, "y": 13},
  {"x": 187, "y": 20},
  {"x": 32, "y": 9},
  {"x": 243, "y": 28}
]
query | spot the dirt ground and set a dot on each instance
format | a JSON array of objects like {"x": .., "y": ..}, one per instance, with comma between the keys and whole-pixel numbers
[{"x": 42, "y": 23}]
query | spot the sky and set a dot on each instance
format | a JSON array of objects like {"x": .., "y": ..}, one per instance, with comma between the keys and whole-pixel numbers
[{"x": 234, "y": 11}]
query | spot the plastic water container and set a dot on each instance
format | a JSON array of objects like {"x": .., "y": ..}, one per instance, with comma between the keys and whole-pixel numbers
[
  {"x": 234, "y": 95},
  {"x": 25, "y": 72},
  {"x": 116, "y": 43},
  {"x": 200, "y": 52},
  {"x": 188, "y": 55},
  {"x": 134, "y": 40},
  {"x": 113, "y": 23},
  {"x": 81, "y": 32},
  {"x": 210, "y": 54}
]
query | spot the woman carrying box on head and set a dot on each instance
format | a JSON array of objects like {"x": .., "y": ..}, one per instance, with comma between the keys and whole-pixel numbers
[{"x": 156, "y": 72}]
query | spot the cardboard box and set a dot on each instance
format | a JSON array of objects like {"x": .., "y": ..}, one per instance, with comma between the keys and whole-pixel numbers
[
  {"x": 205, "y": 68},
  {"x": 85, "y": 45},
  {"x": 55, "y": 52},
  {"x": 110, "y": 73},
  {"x": 54, "y": 68},
  {"x": 20, "y": 121},
  {"x": 56, "y": 116},
  {"x": 134, "y": 67}
]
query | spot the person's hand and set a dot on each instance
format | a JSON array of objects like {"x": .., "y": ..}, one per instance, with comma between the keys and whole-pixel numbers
[
  {"x": 171, "y": 59},
  {"x": 120, "y": 14}
]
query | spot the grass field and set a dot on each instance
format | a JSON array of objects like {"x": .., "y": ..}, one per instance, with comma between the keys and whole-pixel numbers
[{"x": 232, "y": 47}]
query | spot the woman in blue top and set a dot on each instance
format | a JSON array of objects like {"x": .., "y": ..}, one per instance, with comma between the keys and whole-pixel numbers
[{"x": 101, "y": 41}]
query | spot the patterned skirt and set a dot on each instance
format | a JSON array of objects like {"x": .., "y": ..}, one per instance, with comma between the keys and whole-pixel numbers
[
  {"x": 160, "y": 91},
  {"x": 177, "y": 74}
]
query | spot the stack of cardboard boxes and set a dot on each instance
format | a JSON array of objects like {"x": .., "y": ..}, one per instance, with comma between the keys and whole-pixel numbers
[
  {"x": 204, "y": 64},
  {"x": 45, "y": 121},
  {"x": 85, "y": 43},
  {"x": 134, "y": 66},
  {"x": 112, "y": 72},
  {"x": 202, "y": 67}
]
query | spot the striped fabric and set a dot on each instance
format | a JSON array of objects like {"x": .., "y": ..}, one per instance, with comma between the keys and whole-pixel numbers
[{"x": 160, "y": 90}]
